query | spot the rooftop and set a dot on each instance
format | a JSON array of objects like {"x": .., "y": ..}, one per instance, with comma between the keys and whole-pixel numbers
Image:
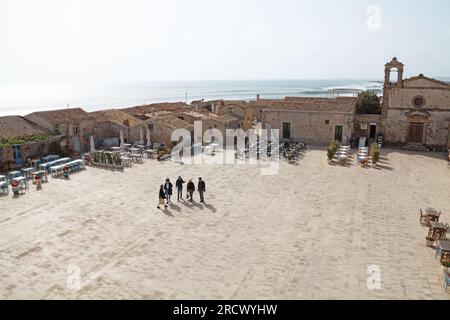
[
  {"x": 62, "y": 115},
  {"x": 227, "y": 118},
  {"x": 336, "y": 105},
  {"x": 165, "y": 106},
  {"x": 172, "y": 122},
  {"x": 16, "y": 126},
  {"x": 117, "y": 116}
]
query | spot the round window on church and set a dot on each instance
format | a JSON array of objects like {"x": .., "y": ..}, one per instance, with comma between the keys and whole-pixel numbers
[{"x": 419, "y": 102}]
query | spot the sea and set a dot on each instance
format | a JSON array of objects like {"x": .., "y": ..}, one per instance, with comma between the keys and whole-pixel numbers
[{"x": 24, "y": 99}]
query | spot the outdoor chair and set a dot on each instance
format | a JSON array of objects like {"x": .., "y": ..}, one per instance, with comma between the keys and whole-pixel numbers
[
  {"x": 4, "y": 187},
  {"x": 423, "y": 218}
]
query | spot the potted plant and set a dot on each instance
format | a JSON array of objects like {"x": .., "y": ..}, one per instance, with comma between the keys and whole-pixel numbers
[
  {"x": 330, "y": 154},
  {"x": 430, "y": 241},
  {"x": 375, "y": 157}
]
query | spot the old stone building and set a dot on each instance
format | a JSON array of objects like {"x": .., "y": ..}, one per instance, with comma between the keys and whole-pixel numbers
[
  {"x": 74, "y": 123},
  {"x": 416, "y": 111},
  {"x": 163, "y": 123},
  {"x": 21, "y": 139},
  {"x": 109, "y": 124},
  {"x": 315, "y": 121}
]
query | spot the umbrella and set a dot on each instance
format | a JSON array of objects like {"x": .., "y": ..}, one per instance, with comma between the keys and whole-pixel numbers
[
  {"x": 149, "y": 141},
  {"x": 141, "y": 136},
  {"x": 122, "y": 140},
  {"x": 92, "y": 144}
]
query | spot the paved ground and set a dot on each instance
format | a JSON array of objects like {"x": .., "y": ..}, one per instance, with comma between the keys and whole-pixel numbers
[{"x": 310, "y": 232}]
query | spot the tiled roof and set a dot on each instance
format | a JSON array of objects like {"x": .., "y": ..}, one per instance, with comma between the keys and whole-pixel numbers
[
  {"x": 228, "y": 118},
  {"x": 173, "y": 122},
  {"x": 337, "y": 105},
  {"x": 62, "y": 115},
  {"x": 166, "y": 106},
  {"x": 15, "y": 126},
  {"x": 116, "y": 116}
]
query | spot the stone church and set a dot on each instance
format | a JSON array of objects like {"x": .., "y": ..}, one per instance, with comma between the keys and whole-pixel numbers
[{"x": 415, "y": 111}]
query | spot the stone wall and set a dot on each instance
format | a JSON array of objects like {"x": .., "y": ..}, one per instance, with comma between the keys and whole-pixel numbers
[
  {"x": 33, "y": 150},
  {"x": 435, "y": 98},
  {"x": 362, "y": 122},
  {"x": 435, "y": 114},
  {"x": 314, "y": 128},
  {"x": 436, "y": 127},
  {"x": 106, "y": 130}
]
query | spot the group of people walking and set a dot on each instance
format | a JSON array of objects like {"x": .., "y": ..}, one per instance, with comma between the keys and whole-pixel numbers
[{"x": 166, "y": 190}]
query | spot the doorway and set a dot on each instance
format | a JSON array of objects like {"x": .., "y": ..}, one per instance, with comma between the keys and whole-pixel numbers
[
  {"x": 373, "y": 131},
  {"x": 17, "y": 152},
  {"x": 286, "y": 130},
  {"x": 338, "y": 133},
  {"x": 415, "y": 134}
]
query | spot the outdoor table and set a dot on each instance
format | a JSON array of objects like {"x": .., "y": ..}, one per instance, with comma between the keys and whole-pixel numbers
[
  {"x": 126, "y": 161},
  {"x": 36, "y": 163},
  {"x": 77, "y": 163},
  {"x": 444, "y": 247},
  {"x": 137, "y": 158},
  {"x": 57, "y": 170},
  {"x": 27, "y": 172},
  {"x": 23, "y": 182},
  {"x": 362, "y": 158},
  {"x": 48, "y": 165},
  {"x": 437, "y": 230},
  {"x": 4, "y": 184},
  {"x": 134, "y": 150},
  {"x": 342, "y": 159},
  {"x": 42, "y": 174},
  {"x": 14, "y": 174},
  {"x": 51, "y": 157},
  {"x": 149, "y": 153},
  {"x": 431, "y": 215}
]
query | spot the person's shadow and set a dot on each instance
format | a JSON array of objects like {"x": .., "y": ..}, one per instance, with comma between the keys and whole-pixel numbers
[
  {"x": 174, "y": 207},
  {"x": 210, "y": 207},
  {"x": 168, "y": 213},
  {"x": 188, "y": 204}
]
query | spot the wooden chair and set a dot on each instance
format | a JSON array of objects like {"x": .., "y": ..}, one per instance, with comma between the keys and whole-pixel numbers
[{"x": 423, "y": 218}]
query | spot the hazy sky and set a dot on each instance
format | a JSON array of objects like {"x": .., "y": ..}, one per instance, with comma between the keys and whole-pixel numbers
[{"x": 61, "y": 41}]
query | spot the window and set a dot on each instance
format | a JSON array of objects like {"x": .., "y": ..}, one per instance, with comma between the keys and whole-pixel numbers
[
  {"x": 150, "y": 127},
  {"x": 230, "y": 110},
  {"x": 419, "y": 102},
  {"x": 75, "y": 129},
  {"x": 327, "y": 121},
  {"x": 338, "y": 131},
  {"x": 286, "y": 130}
]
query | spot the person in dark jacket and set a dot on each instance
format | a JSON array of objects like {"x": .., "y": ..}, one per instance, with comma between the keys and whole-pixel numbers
[
  {"x": 179, "y": 185},
  {"x": 162, "y": 198},
  {"x": 190, "y": 190},
  {"x": 201, "y": 189},
  {"x": 168, "y": 190}
]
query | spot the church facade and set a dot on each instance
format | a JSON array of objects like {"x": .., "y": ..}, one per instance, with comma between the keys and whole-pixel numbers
[{"x": 415, "y": 111}]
